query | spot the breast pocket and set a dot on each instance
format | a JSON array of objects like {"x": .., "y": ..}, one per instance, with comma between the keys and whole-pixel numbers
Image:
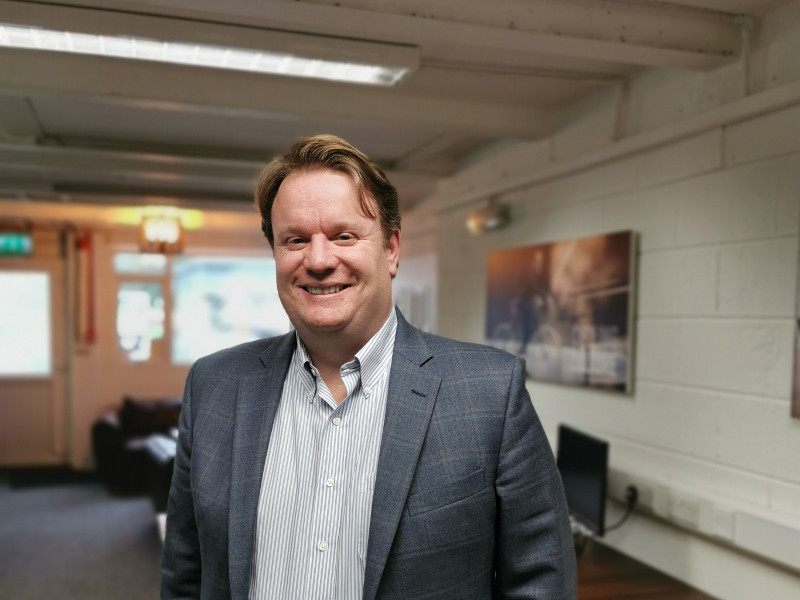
[
  {"x": 447, "y": 493},
  {"x": 448, "y": 533}
]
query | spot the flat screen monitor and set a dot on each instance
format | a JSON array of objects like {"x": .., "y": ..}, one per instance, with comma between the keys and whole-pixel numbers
[{"x": 583, "y": 464}]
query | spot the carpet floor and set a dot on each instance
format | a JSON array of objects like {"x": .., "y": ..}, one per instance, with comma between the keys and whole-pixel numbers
[{"x": 75, "y": 541}]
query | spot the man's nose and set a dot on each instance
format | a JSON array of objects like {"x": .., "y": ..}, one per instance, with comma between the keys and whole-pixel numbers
[{"x": 320, "y": 255}]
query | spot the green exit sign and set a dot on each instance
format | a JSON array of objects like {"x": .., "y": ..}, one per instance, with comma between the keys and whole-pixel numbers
[{"x": 15, "y": 243}]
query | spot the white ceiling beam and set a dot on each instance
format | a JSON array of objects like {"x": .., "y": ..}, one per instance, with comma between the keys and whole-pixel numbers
[
  {"x": 745, "y": 7},
  {"x": 635, "y": 33},
  {"x": 90, "y": 168},
  {"x": 428, "y": 157},
  {"x": 30, "y": 72},
  {"x": 144, "y": 165}
]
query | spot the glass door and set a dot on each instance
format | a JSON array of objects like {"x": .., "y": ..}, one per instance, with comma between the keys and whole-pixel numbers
[{"x": 32, "y": 365}]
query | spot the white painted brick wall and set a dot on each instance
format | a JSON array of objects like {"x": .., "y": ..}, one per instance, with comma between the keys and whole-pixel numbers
[
  {"x": 653, "y": 213},
  {"x": 659, "y": 97},
  {"x": 691, "y": 157},
  {"x": 765, "y": 137},
  {"x": 743, "y": 356},
  {"x": 735, "y": 485},
  {"x": 772, "y": 434},
  {"x": 602, "y": 181},
  {"x": 718, "y": 215},
  {"x": 678, "y": 282},
  {"x": 758, "y": 278},
  {"x": 732, "y": 205},
  {"x": 715, "y": 326},
  {"x": 787, "y": 212},
  {"x": 502, "y": 162}
]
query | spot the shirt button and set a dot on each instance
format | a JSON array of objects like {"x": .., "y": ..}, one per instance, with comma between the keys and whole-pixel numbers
[
  {"x": 367, "y": 390},
  {"x": 310, "y": 393},
  {"x": 323, "y": 546},
  {"x": 336, "y": 420},
  {"x": 329, "y": 482}
]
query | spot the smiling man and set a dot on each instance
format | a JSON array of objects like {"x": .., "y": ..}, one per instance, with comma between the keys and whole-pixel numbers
[{"x": 358, "y": 457}]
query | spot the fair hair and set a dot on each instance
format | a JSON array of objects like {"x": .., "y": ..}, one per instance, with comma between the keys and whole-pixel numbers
[{"x": 378, "y": 197}]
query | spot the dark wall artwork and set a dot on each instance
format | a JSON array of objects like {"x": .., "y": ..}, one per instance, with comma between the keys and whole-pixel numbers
[
  {"x": 567, "y": 308},
  {"x": 796, "y": 377}
]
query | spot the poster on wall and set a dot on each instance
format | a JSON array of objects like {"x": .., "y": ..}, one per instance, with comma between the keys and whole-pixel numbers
[
  {"x": 796, "y": 377},
  {"x": 567, "y": 308}
]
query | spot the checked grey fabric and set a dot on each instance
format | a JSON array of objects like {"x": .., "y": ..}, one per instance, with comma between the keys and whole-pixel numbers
[{"x": 467, "y": 501}]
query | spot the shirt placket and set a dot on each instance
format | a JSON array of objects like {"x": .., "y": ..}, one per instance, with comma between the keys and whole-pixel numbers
[{"x": 330, "y": 488}]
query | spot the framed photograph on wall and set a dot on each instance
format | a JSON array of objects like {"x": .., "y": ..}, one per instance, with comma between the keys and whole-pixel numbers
[
  {"x": 567, "y": 308},
  {"x": 796, "y": 377}
]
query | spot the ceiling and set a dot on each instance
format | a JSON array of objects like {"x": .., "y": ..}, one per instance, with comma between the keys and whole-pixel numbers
[{"x": 107, "y": 130}]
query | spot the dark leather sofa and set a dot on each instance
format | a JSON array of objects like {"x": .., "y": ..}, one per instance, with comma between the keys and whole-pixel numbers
[{"x": 128, "y": 458}]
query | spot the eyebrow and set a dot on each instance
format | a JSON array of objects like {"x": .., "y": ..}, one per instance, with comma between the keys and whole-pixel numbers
[{"x": 336, "y": 225}]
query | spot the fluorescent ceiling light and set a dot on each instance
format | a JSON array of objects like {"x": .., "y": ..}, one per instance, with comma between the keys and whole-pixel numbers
[{"x": 201, "y": 55}]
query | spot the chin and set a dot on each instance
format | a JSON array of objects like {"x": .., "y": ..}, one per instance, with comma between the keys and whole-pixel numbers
[{"x": 323, "y": 324}]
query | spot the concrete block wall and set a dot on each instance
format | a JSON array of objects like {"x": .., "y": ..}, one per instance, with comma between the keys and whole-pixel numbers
[
  {"x": 718, "y": 218},
  {"x": 718, "y": 262}
]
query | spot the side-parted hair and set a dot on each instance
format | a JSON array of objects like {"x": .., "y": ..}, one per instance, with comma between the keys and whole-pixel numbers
[{"x": 375, "y": 191}]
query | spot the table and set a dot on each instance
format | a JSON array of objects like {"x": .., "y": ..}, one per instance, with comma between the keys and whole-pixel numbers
[{"x": 605, "y": 573}]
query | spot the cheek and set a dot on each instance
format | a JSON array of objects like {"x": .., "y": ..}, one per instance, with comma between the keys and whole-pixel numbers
[{"x": 285, "y": 269}]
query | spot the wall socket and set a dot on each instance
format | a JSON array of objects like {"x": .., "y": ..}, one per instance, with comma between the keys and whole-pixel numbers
[
  {"x": 706, "y": 513},
  {"x": 684, "y": 509}
]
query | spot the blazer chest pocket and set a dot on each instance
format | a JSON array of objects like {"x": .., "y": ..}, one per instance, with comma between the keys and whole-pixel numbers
[{"x": 447, "y": 493}]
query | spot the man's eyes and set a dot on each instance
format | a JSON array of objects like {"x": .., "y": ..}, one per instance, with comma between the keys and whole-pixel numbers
[{"x": 341, "y": 239}]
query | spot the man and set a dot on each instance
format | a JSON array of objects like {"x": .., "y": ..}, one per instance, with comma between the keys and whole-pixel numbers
[{"x": 358, "y": 457}]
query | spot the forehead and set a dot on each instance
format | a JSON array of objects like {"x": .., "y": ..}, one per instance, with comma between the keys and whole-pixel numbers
[
  {"x": 323, "y": 188},
  {"x": 318, "y": 176}
]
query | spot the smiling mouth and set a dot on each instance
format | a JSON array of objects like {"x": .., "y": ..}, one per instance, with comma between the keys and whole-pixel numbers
[{"x": 324, "y": 290}]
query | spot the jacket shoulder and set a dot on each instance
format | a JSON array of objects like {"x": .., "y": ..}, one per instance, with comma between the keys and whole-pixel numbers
[{"x": 245, "y": 358}]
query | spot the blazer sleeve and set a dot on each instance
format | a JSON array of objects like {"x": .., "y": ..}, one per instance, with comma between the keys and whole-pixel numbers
[
  {"x": 180, "y": 563},
  {"x": 535, "y": 553}
]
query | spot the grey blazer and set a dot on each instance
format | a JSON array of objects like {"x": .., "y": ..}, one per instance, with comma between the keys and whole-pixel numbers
[{"x": 468, "y": 503}]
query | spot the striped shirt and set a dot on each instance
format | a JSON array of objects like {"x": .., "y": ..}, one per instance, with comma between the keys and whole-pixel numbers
[{"x": 316, "y": 492}]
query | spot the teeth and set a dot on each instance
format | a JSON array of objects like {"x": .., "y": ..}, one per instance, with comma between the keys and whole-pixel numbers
[{"x": 326, "y": 290}]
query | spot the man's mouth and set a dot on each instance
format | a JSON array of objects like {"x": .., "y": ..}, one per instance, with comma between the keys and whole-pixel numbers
[{"x": 324, "y": 290}]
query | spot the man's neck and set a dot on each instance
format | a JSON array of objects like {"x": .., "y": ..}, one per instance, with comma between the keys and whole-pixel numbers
[
  {"x": 329, "y": 351},
  {"x": 328, "y": 359}
]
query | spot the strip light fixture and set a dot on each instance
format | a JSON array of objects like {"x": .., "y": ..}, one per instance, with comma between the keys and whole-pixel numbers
[{"x": 201, "y": 55}]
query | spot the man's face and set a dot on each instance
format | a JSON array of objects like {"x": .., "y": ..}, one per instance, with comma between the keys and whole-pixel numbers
[{"x": 334, "y": 270}]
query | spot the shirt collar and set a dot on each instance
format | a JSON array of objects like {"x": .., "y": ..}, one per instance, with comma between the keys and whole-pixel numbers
[
  {"x": 376, "y": 355},
  {"x": 371, "y": 357}
]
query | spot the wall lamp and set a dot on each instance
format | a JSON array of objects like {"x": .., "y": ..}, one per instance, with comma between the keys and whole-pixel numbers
[
  {"x": 489, "y": 218},
  {"x": 161, "y": 230}
]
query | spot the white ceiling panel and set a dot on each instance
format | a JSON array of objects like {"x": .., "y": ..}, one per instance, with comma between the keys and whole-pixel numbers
[
  {"x": 162, "y": 124},
  {"x": 489, "y": 71},
  {"x": 18, "y": 119}
]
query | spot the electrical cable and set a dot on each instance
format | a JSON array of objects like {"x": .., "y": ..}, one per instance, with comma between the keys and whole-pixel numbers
[{"x": 631, "y": 496}]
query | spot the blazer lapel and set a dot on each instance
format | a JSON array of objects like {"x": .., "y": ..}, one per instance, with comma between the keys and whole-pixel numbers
[
  {"x": 411, "y": 396},
  {"x": 256, "y": 405}
]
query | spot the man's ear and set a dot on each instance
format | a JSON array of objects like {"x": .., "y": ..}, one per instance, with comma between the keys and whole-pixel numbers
[{"x": 393, "y": 252}]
